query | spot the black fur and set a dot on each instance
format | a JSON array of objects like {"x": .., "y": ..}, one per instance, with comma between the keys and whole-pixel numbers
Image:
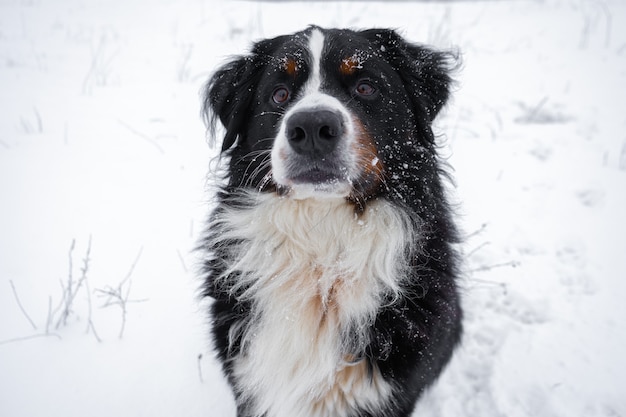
[{"x": 412, "y": 338}]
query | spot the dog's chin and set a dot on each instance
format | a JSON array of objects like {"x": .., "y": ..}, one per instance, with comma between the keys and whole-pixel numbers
[{"x": 314, "y": 185}]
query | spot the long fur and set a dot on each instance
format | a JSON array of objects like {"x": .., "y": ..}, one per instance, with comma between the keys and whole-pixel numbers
[{"x": 336, "y": 299}]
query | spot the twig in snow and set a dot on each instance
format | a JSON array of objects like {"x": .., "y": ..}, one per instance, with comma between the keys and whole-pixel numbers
[
  {"x": 35, "y": 336},
  {"x": 483, "y": 268},
  {"x": 119, "y": 295},
  {"x": 66, "y": 289},
  {"x": 100, "y": 70},
  {"x": 183, "y": 66},
  {"x": 71, "y": 289},
  {"x": 142, "y": 135},
  {"x": 531, "y": 117},
  {"x": 27, "y": 123},
  {"x": 622, "y": 157},
  {"x": 503, "y": 286},
  {"x": 592, "y": 20},
  {"x": 539, "y": 114},
  {"x": 200, "y": 368},
  {"x": 182, "y": 260},
  {"x": 476, "y": 249},
  {"x": 39, "y": 121},
  {"x": 19, "y": 303},
  {"x": 90, "y": 325},
  {"x": 477, "y": 232},
  {"x": 50, "y": 318}
]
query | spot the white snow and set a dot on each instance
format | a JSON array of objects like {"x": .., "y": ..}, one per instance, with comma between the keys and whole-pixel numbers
[{"x": 101, "y": 140}]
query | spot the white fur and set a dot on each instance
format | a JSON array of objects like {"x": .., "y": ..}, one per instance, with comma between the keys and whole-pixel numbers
[
  {"x": 316, "y": 46},
  {"x": 312, "y": 270}
]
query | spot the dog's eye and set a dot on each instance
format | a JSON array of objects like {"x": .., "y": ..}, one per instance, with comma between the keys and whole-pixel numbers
[
  {"x": 280, "y": 95},
  {"x": 365, "y": 88}
]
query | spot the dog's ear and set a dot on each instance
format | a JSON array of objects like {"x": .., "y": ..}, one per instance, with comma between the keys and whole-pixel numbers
[
  {"x": 424, "y": 71},
  {"x": 231, "y": 90},
  {"x": 227, "y": 98}
]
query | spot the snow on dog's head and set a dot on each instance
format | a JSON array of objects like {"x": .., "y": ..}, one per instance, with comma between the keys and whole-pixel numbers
[{"x": 330, "y": 113}]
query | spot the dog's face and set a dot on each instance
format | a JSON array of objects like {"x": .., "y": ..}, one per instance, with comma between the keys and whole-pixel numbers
[{"x": 330, "y": 113}]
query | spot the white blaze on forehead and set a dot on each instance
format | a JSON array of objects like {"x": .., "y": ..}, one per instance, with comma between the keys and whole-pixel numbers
[{"x": 316, "y": 45}]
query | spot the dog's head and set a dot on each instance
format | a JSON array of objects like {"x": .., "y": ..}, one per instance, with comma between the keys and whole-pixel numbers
[{"x": 330, "y": 113}]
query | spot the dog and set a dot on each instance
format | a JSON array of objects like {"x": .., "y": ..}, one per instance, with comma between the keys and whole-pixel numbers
[{"x": 330, "y": 256}]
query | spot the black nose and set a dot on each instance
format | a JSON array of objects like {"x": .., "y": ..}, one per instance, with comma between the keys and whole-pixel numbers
[{"x": 314, "y": 132}]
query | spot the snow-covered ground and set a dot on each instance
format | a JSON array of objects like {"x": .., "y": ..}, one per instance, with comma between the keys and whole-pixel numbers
[{"x": 103, "y": 164}]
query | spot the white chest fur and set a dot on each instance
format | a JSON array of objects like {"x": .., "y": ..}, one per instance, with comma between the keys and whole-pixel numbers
[{"x": 315, "y": 274}]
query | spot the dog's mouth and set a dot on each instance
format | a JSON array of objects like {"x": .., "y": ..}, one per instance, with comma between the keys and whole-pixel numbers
[
  {"x": 316, "y": 180},
  {"x": 317, "y": 176}
]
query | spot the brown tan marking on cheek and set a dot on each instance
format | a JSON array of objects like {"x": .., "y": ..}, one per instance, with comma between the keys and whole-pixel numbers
[
  {"x": 367, "y": 154},
  {"x": 372, "y": 170}
]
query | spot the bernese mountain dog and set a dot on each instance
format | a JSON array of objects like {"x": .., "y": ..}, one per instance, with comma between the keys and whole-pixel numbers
[{"x": 330, "y": 255}]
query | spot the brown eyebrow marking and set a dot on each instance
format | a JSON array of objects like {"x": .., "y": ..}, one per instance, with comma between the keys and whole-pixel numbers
[
  {"x": 290, "y": 66},
  {"x": 349, "y": 65}
]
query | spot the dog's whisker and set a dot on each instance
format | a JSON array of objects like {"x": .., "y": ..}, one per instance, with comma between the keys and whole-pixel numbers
[
  {"x": 258, "y": 170},
  {"x": 268, "y": 113},
  {"x": 265, "y": 162}
]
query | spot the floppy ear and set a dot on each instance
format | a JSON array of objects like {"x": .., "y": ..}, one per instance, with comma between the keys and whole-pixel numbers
[
  {"x": 231, "y": 90},
  {"x": 424, "y": 71},
  {"x": 228, "y": 96}
]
